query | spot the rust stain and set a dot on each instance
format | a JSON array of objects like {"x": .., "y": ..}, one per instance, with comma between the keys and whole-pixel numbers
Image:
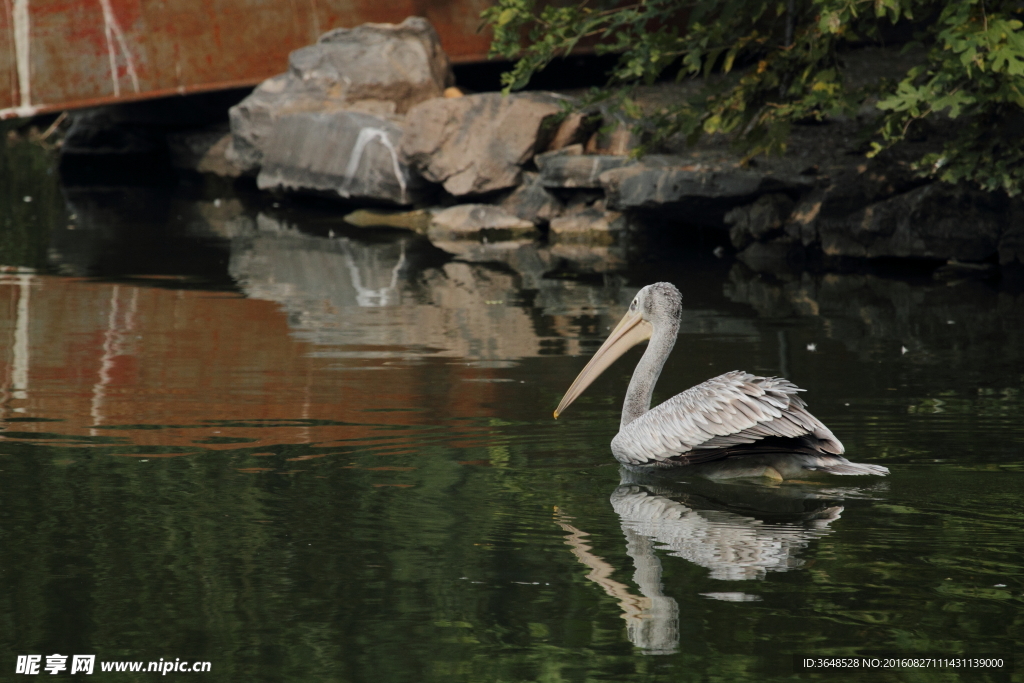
[{"x": 107, "y": 51}]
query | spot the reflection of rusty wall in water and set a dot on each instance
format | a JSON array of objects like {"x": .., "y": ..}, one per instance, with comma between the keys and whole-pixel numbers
[{"x": 102, "y": 354}]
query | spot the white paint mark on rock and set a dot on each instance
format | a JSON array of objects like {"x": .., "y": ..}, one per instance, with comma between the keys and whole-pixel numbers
[{"x": 365, "y": 137}]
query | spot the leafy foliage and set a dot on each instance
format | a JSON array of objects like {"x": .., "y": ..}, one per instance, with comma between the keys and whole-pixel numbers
[{"x": 971, "y": 68}]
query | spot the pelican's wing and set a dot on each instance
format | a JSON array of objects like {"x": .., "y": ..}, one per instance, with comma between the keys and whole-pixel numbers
[{"x": 729, "y": 410}]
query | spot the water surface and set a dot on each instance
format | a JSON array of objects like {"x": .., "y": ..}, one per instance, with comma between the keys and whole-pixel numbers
[{"x": 253, "y": 436}]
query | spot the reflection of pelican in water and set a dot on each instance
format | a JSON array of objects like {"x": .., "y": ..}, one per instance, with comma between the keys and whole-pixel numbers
[
  {"x": 734, "y": 546},
  {"x": 735, "y": 414}
]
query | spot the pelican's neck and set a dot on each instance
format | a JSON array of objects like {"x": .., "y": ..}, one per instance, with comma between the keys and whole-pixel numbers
[{"x": 641, "y": 385}]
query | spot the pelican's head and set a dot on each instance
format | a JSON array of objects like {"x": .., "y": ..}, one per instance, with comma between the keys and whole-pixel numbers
[{"x": 654, "y": 307}]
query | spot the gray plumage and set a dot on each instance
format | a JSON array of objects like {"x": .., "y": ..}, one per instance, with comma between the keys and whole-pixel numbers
[
  {"x": 734, "y": 414},
  {"x": 730, "y": 410}
]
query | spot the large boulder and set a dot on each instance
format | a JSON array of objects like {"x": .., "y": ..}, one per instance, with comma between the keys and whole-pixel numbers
[
  {"x": 379, "y": 69},
  {"x": 349, "y": 154},
  {"x": 478, "y": 143},
  {"x": 403, "y": 64}
]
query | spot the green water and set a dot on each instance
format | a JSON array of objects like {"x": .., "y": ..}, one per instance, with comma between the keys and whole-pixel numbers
[{"x": 306, "y": 458}]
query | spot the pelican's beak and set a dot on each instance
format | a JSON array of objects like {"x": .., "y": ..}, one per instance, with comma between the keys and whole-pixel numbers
[{"x": 630, "y": 331}]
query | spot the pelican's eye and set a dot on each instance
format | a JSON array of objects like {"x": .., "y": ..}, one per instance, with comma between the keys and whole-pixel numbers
[{"x": 632, "y": 306}]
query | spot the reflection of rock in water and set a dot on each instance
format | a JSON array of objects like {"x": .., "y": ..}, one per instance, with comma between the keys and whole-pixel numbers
[
  {"x": 392, "y": 292},
  {"x": 967, "y": 323},
  {"x": 292, "y": 268}
]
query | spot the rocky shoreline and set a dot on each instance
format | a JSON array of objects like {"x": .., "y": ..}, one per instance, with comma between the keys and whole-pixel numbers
[{"x": 372, "y": 115}]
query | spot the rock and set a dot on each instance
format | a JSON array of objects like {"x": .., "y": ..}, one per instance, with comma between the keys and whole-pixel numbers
[
  {"x": 569, "y": 171},
  {"x": 802, "y": 225},
  {"x": 854, "y": 187},
  {"x": 882, "y": 208},
  {"x": 345, "y": 153},
  {"x": 531, "y": 201},
  {"x": 620, "y": 140},
  {"x": 575, "y": 129},
  {"x": 849, "y": 189},
  {"x": 417, "y": 221},
  {"x": 582, "y": 199},
  {"x": 374, "y": 68},
  {"x": 478, "y": 143},
  {"x": 755, "y": 222},
  {"x": 935, "y": 221},
  {"x": 203, "y": 150},
  {"x": 593, "y": 225},
  {"x": 252, "y": 118},
  {"x": 664, "y": 182},
  {"x": 479, "y": 222},
  {"x": 568, "y": 150},
  {"x": 402, "y": 63}
]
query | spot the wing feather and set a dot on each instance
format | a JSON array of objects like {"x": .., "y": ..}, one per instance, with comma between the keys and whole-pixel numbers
[{"x": 732, "y": 409}]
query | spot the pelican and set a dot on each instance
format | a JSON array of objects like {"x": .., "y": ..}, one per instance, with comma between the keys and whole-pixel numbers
[{"x": 734, "y": 414}]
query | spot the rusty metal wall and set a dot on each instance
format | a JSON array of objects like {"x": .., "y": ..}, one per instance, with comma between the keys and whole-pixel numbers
[{"x": 62, "y": 54}]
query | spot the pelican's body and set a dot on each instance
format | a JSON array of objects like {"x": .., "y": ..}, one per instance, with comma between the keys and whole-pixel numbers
[{"x": 730, "y": 415}]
